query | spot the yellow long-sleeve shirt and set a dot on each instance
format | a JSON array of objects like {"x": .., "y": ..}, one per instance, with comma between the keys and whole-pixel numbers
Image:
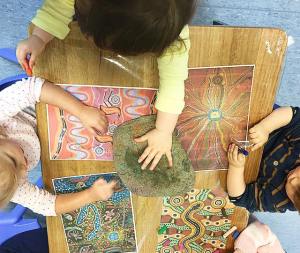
[{"x": 54, "y": 17}]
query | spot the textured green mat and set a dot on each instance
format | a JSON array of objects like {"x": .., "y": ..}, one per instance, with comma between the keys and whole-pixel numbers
[{"x": 163, "y": 181}]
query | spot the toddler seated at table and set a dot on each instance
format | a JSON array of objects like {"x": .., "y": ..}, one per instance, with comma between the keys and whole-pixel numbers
[
  {"x": 277, "y": 187},
  {"x": 20, "y": 147},
  {"x": 128, "y": 28}
]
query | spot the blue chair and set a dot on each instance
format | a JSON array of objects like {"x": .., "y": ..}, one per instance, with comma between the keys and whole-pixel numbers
[{"x": 12, "y": 221}]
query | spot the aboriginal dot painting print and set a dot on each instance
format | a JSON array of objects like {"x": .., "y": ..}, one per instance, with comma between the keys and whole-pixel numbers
[
  {"x": 103, "y": 226},
  {"x": 195, "y": 222},
  {"x": 216, "y": 113},
  {"x": 70, "y": 140}
]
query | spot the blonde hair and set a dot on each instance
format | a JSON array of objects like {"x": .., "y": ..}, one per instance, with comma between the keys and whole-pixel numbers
[{"x": 9, "y": 174}]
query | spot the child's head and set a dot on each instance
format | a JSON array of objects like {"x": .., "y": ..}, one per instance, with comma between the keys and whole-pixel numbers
[
  {"x": 293, "y": 187},
  {"x": 12, "y": 168},
  {"x": 132, "y": 27}
]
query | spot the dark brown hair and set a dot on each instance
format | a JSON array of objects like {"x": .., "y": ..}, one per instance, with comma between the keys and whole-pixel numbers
[{"x": 132, "y": 27}]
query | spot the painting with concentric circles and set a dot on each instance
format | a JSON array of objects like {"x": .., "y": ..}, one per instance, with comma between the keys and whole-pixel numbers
[
  {"x": 195, "y": 222},
  {"x": 217, "y": 105},
  {"x": 102, "y": 226}
]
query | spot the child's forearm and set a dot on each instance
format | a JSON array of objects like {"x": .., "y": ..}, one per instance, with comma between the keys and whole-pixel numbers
[
  {"x": 166, "y": 122},
  {"x": 69, "y": 202},
  {"x": 43, "y": 35},
  {"x": 278, "y": 118},
  {"x": 57, "y": 96},
  {"x": 235, "y": 181}
]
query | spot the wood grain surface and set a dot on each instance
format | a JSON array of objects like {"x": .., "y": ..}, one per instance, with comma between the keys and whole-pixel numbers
[{"x": 77, "y": 61}]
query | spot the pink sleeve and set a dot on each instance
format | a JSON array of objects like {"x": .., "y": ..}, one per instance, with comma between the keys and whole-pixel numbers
[
  {"x": 18, "y": 96},
  {"x": 38, "y": 200}
]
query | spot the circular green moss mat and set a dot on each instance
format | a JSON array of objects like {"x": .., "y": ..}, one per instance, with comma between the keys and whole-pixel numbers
[{"x": 163, "y": 181}]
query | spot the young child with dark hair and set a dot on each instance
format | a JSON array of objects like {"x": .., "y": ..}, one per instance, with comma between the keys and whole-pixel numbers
[
  {"x": 128, "y": 27},
  {"x": 277, "y": 187},
  {"x": 20, "y": 147}
]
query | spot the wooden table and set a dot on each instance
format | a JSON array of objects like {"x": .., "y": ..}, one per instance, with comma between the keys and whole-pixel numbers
[{"x": 77, "y": 61}]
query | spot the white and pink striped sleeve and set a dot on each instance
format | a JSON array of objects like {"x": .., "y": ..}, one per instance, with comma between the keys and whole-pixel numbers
[
  {"x": 38, "y": 200},
  {"x": 20, "y": 95}
]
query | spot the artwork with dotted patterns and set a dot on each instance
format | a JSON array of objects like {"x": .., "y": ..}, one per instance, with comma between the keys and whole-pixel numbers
[
  {"x": 217, "y": 104},
  {"x": 195, "y": 222},
  {"x": 69, "y": 139},
  {"x": 104, "y": 226}
]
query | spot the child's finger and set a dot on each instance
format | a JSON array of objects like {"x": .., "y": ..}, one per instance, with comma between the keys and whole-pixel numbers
[
  {"x": 170, "y": 159},
  {"x": 235, "y": 152},
  {"x": 144, "y": 155},
  {"x": 155, "y": 161},
  {"x": 241, "y": 157},
  {"x": 141, "y": 139},
  {"x": 252, "y": 130},
  {"x": 256, "y": 146},
  {"x": 21, "y": 56},
  {"x": 148, "y": 160},
  {"x": 93, "y": 131},
  {"x": 254, "y": 135},
  {"x": 32, "y": 60},
  {"x": 255, "y": 140},
  {"x": 100, "y": 181},
  {"x": 112, "y": 184}
]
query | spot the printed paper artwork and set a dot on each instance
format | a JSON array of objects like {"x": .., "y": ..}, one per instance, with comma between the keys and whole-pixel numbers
[
  {"x": 104, "y": 226},
  {"x": 195, "y": 222},
  {"x": 68, "y": 139},
  {"x": 217, "y": 104}
]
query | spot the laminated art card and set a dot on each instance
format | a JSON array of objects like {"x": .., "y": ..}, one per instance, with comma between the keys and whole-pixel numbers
[
  {"x": 195, "y": 222},
  {"x": 216, "y": 113},
  {"x": 68, "y": 139},
  {"x": 104, "y": 226}
]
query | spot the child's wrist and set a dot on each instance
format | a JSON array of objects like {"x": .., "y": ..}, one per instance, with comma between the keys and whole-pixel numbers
[
  {"x": 264, "y": 124},
  {"x": 91, "y": 196},
  {"x": 236, "y": 169},
  {"x": 36, "y": 36}
]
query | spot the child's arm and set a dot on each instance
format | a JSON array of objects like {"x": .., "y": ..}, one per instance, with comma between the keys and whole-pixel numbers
[
  {"x": 101, "y": 190},
  {"x": 235, "y": 176},
  {"x": 173, "y": 70},
  {"x": 47, "y": 204},
  {"x": 92, "y": 118},
  {"x": 19, "y": 96},
  {"x": 259, "y": 134},
  {"x": 51, "y": 20},
  {"x": 159, "y": 140}
]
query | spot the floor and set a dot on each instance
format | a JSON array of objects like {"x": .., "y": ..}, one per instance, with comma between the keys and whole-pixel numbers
[{"x": 16, "y": 15}]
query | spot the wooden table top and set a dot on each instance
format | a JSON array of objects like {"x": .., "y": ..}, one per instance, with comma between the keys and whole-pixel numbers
[{"x": 77, "y": 61}]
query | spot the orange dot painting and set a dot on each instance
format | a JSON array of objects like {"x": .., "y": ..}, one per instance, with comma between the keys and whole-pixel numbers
[
  {"x": 70, "y": 140},
  {"x": 217, "y": 104}
]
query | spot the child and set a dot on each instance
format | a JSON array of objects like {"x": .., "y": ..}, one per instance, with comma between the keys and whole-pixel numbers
[
  {"x": 257, "y": 238},
  {"x": 277, "y": 187},
  {"x": 128, "y": 27},
  {"x": 20, "y": 147}
]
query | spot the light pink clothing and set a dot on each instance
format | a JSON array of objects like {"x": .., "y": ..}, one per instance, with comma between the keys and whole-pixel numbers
[
  {"x": 21, "y": 127},
  {"x": 258, "y": 238}
]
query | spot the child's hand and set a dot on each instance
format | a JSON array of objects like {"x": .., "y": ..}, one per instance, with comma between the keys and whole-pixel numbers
[
  {"x": 235, "y": 159},
  {"x": 33, "y": 46},
  {"x": 159, "y": 143},
  {"x": 101, "y": 190},
  {"x": 93, "y": 119},
  {"x": 259, "y": 135}
]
